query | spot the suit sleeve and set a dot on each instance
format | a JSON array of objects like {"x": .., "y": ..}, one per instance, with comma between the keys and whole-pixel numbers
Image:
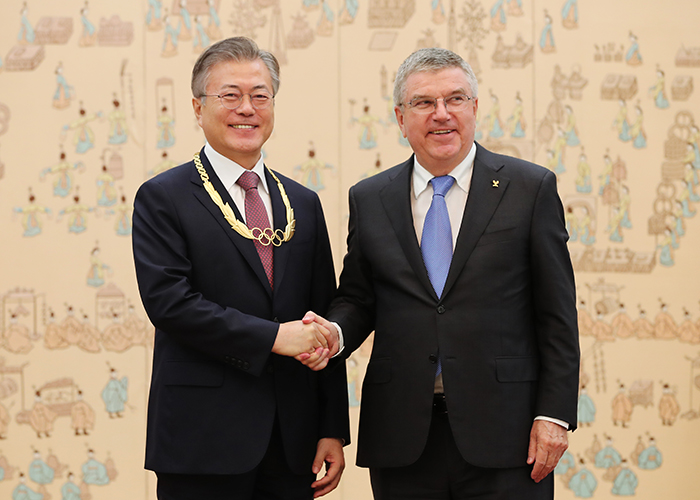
[
  {"x": 354, "y": 306},
  {"x": 164, "y": 273},
  {"x": 554, "y": 295}
]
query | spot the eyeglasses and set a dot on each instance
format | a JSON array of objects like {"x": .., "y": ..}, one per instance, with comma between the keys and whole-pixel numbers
[
  {"x": 425, "y": 105},
  {"x": 259, "y": 99}
]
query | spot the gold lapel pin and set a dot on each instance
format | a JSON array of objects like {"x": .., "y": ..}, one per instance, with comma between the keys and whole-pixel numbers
[{"x": 495, "y": 183}]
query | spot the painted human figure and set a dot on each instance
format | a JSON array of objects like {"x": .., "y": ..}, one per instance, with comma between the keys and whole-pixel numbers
[
  {"x": 585, "y": 228},
  {"x": 586, "y": 408},
  {"x": 17, "y": 338},
  {"x": 96, "y": 274},
  {"x": 666, "y": 248},
  {"x": 64, "y": 92},
  {"x": 643, "y": 328},
  {"x": 30, "y": 214},
  {"x": 515, "y": 7},
  {"x": 94, "y": 472},
  {"x": 166, "y": 126},
  {"x": 214, "y": 26},
  {"x": 185, "y": 26},
  {"x": 76, "y": 215},
  {"x": 438, "y": 11},
  {"x": 82, "y": 416},
  {"x": 118, "y": 132},
  {"x": 26, "y": 32},
  {"x": 106, "y": 192},
  {"x": 70, "y": 490},
  {"x": 40, "y": 473},
  {"x": 547, "y": 36},
  {"x": 24, "y": 492},
  {"x": 569, "y": 14},
  {"x": 116, "y": 337},
  {"x": 621, "y": 123},
  {"x": 570, "y": 127},
  {"x": 88, "y": 336},
  {"x": 606, "y": 174},
  {"x": 626, "y": 481},
  {"x": 622, "y": 324},
  {"x": 53, "y": 336},
  {"x": 89, "y": 33},
  {"x": 615, "y": 225},
  {"x": 658, "y": 91},
  {"x": 601, "y": 329},
  {"x": 668, "y": 406},
  {"x": 368, "y": 129},
  {"x": 41, "y": 417},
  {"x": 348, "y": 11},
  {"x": 63, "y": 175},
  {"x": 123, "y": 224},
  {"x": 154, "y": 20},
  {"x": 115, "y": 394},
  {"x": 688, "y": 331},
  {"x": 637, "y": 133},
  {"x": 311, "y": 171},
  {"x": 651, "y": 457},
  {"x": 585, "y": 321},
  {"x": 571, "y": 224},
  {"x": 559, "y": 151},
  {"x": 165, "y": 164},
  {"x": 664, "y": 325},
  {"x": 633, "y": 56},
  {"x": 583, "y": 483},
  {"x": 84, "y": 137},
  {"x": 170, "y": 41},
  {"x": 622, "y": 408},
  {"x": 516, "y": 121},
  {"x": 608, "y": 456},
  {"x": 493, "y": 119},
  {"x": 200, "y": 41},
  {"x": 4, "y": 423},
  {"x": 498, "y": 16}
]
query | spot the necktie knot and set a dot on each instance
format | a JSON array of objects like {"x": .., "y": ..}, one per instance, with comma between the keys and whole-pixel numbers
[
  {"x": 442, "y": 184},
  {"x": 248, "y": 180}
]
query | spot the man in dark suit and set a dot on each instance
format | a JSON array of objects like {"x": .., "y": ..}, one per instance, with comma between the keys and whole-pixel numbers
[
  {"x": 457, "y": 259},
  {"x": 227, "y": 255}
]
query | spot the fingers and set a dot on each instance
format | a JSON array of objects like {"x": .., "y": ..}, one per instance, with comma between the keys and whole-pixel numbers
[
  {"x": 330, "y": 451},
  {"x": 548, "y": 441}
]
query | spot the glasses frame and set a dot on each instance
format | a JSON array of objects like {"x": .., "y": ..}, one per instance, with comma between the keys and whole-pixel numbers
[
  {"x": 249, "y": 94},
  {"x": 410, "y": 104}
]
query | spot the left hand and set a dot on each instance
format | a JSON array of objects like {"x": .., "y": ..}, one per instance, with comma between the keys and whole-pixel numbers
[
  {"x": 548, "y": 442},
  {"x": 330, "y": 451}
]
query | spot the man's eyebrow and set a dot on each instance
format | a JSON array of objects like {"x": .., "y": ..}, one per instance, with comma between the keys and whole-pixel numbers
[{"x": 237, "y": 87}]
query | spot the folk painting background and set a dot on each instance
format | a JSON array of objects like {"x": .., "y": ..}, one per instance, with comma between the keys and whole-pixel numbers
[{"x": 95, "y": 99}]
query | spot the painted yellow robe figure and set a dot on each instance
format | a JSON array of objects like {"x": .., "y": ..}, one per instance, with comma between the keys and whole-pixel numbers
[
  {"x": 668, "y": 406},
  {"x": 622, "y": 408},
  {"x": 84, "y": 137},
  {"x": 71, "y": 327},
  {"x": 62, "y": 171},
  {"x": 116, "y": 337},
  {"x": 583, "y": 175},
  {"x": 77, "y": 215},
  {"x": 664, "y": 325},
  {"x": 54, "y": 337},
  {"x": 368, "y": 129},
  {"x": 31, "y": 220},
  {"x": 622, "y": 324},
  {"x": 688, "y": 331},
  {"x": 82, "y": 416},
  {"x": 41, "y": 418},
  {"x": 165, "y": 164},
  {"x": 621, "y": 123},
  {"x": 643, "y": 327},
  {"x": 602, "y": 330},
  {"x": 88, "y": 336},
  {"x": 118, "y": 132}
]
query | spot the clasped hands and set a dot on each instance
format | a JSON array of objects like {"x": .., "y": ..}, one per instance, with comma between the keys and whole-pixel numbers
[{"x": 313, "y": 340}]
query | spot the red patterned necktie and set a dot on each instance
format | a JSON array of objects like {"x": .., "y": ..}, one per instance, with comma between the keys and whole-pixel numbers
[{"x": 256, "y": 217}]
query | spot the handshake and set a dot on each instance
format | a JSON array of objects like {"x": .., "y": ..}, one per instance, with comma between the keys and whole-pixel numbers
[{"x": 313, "y": 341}]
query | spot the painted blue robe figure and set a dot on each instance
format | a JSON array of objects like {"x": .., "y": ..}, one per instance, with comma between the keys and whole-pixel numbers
[
  {"x": 39, "y": 471},
  {"x": 666, "y": 253},
  {"x": 24, "y": 492},
  {"x": 639, "y": 139},
  {"x": 70, "y": 490},
  {"x": 633, "y": 56},
  {"x": 63, "y": 182},
  {"x": 586, "y": 408},
  {"x": 118, "y": 132},
  {"x": 569, "y": 14},
  {"x": 583, "y": 176},
  {"x": 185, "y": 22},
  {"x": 498, "y": 16},
  {"x": 650, "y": 458},
  {"x": 153, "y": 20},
  {"x": 348, "y": 11},
  {"x": 685, "y": 200},
  {"x": 64, "y": 92},
  {"x": 615, "y": 226},
  {"x": 690, "y": 179},
  {"x": 88, "y": 36},
  {"x": 625, "y": 483},
  {"x": 30, "y": 217},
  {"x": 115, "y": 395},
  {"x": 201, "y": 39},
  {"x": 658, "y": 91},
  {"x": 493, "y": 119},
  {"x": 607, "y": 457},
  {"x": 559, "y": 149},
  {"x": 106, "y": 192},
  {"x": 583, "y": 483},
  {"x": 123, "y": 224},
  {"x": 586, "y": 236},
  {"x": 171, "y": 39},
  {"x": 26, "y": 32},
  {"x": 566, "y": 462},
  {"x": 438, "y": 11},
  {"x": 570, "y": 128},
  {"x": 94, "y": 472},
  {"x": 516, "y": 120},
  {"x": 214, "y": 27},
  {"x": 571, "y": 224},
  {"x": 368, "y": 130},
  {"x": 622, "y": 124},
  {"x": 547, "y": 36},
  {"x": 96, "y": 273}
]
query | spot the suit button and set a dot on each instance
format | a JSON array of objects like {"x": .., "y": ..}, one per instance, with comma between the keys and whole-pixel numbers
[
  {"x": 433, "y": 358},
  {"x": 276, "y": 319},
  {"x": 245, "y": 365},
  {"x": 441, "y": 309}
]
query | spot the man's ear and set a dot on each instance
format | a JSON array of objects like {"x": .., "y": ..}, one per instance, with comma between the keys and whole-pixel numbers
[
  {"x": 399, "y": 119},
  {"x": 197, "y": 106}
]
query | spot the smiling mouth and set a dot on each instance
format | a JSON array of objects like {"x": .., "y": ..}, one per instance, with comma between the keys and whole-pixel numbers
[
  {"x": 441, "y": 132},
  {"x": 242, "y": 126}
]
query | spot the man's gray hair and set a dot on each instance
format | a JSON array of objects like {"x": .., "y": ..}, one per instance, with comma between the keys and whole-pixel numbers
[
  {"x": 432, "y": 59},
  {"x": 238, "y": 48}
]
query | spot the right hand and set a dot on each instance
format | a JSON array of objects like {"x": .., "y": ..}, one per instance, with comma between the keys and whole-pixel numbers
[{"x": 295, "y": 338}]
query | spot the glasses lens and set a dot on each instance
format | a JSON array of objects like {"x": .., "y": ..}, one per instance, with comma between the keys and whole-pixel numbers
[
  {"x": 424, "y": 105},
  {"x": 260, "y": 100},
  {"x": 231, "y": 101}
]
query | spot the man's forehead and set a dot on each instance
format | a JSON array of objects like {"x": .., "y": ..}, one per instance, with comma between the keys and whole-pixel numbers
[
  {"x": 253, "y": 74},
  {"x": 450, "y": 80}
]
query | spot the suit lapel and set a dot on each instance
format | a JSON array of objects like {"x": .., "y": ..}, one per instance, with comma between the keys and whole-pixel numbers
[
  {"x": 279, "y": 217},
  {"x": 245, "y": 246},
  {"x": 396, "y": 198},
  {"x": 487, "y": 188}
]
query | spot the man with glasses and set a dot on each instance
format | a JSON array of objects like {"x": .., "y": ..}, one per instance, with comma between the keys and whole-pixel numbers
[
  {"x": 228, "y": 255},
  {"x": 457, "y": 260}
]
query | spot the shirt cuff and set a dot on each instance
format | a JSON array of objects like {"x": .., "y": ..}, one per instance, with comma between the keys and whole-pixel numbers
[
  {"x": 341, "y": 340},
  {"x": 565, "y": 425}
]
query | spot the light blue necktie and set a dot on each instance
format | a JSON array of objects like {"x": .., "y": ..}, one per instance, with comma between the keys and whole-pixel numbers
[{"x": 436, "y": 241}]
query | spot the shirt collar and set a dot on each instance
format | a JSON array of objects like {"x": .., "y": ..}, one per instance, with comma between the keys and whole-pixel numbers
[
  {"x": 229, "y": 171},
  {"x": 462, "y": 173}
]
